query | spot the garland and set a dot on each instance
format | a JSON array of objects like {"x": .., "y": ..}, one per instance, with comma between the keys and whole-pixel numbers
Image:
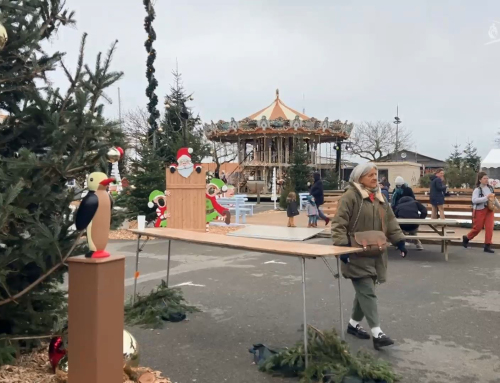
[{"x": 154, "y": 114}]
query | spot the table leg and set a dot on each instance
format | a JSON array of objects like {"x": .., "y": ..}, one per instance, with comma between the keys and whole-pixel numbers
[
  {"x": 168, "y": 261},
  {"x": 342, "y": 334},
  {"x": 136, "y": 274},
  {"x": 303, "y": 261},
  {"x": 443, "y": 246},
  {"x": 445, "y": 250}
]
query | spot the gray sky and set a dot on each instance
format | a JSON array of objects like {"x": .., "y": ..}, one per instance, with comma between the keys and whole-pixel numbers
[{"x": 353, "y": 60}]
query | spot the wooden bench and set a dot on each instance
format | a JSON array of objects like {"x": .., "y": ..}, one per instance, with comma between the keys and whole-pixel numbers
[
  {"x": 443, "y": 239},
  {"x": 438, "y": 226}
]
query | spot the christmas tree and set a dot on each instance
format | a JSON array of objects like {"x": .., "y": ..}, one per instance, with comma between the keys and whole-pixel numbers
[
  {"x": 47, "y": 138},
  {"x": 178, "y": 129},
  {"x": 299, "y": 171}
]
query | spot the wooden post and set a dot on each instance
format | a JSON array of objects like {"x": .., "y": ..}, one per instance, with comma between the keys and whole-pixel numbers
[
  {"x": 270, "y": 146},
  {"x": 239, "y": 150},
  {"x": 264, "y": 177},
  {"x": 287, "y": 150},
  {"x": 187, "y": 201},
  {"x": 258, "y": 194},
  {"x": 95, "y": 319}
]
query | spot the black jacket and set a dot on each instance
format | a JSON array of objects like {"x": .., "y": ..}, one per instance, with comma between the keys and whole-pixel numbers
[
  {"x": 317, "y": 190},
  {"x": 292, "y": 209},
  {"x": 437, "y": 191},
  {"x": 408, "y": 207}
]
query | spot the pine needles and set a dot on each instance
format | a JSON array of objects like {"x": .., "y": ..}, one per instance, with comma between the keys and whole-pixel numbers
[
  {"x": 162, "y": 304},
  {"x": 330, "y": 361}
]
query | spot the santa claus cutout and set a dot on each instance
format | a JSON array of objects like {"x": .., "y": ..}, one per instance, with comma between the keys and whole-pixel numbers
[{"x": 184, "y": 164}]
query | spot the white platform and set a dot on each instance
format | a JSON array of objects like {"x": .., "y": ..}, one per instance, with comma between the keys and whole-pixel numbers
[{"x": 279, "y": 233}]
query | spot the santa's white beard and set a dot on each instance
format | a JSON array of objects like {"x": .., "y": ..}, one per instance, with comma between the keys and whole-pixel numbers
[{"x": 185, "y": 171}]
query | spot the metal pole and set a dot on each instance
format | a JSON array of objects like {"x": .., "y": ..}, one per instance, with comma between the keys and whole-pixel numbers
[
  {"x": 136, "y": 275},
  {"x": 305, "y": 315},
  {"x": 168, "y": 262},
  {"x": 342, "y": 334}
]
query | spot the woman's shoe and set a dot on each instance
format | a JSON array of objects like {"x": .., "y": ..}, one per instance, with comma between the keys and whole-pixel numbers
[
  {"x": 358, "y": 331},
  {"x": 488, "y": 249},
  {"x": 465, "y": 241},
  {"x": 382, "y": 341}
]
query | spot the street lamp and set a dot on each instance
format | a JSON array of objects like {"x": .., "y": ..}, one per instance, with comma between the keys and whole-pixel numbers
[{"x": 397, "y": 121}]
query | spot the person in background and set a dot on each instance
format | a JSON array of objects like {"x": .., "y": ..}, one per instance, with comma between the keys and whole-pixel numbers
[
  {"x": 223, "y": 178},
  {"x": 385, "y": 183},
  {"x": 291, "y": 209},
  {"x": 363, "y": 208},
  {"x": 410, "y": 208},
  {"x": 397, "y": 194},
  {"x": 384, "y": 190},
  {"x": 438, "y": 190},
  {"x": 482, "y": 216},
  {"x": 317, "y": 192},
  {"x": 312, "y": 212}
]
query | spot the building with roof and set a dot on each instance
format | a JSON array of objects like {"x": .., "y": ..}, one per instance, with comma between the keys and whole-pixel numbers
[
  {"x": 266, "y": 140},
  {"x": 428, "y": 164}
]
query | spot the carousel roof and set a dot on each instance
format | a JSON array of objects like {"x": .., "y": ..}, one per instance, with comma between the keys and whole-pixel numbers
[
  {"x": 276, "y": 110},
  {"x": 278, "y": 119}
]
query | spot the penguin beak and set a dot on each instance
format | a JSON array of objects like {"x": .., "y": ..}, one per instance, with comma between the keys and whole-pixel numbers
[{"x": 106, "y": 182}]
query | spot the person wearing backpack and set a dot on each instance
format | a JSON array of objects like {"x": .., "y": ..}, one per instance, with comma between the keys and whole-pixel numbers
[{"x": 483, "y": 213}]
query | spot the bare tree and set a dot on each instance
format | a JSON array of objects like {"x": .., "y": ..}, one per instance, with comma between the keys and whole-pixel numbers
[
  {"x": 373, "y": 140},
  {"x": 222, "y": 153}
]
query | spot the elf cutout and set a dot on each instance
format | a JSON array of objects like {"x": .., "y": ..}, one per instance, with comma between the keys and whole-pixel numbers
[
  {"x": 213, "y": 208},
  {"x": 159, "y": 199}
]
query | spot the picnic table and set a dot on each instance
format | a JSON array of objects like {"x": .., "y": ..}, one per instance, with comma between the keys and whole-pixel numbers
[
  {"x": 438, "y": 226},
  {"x": 302, "y": 251}
]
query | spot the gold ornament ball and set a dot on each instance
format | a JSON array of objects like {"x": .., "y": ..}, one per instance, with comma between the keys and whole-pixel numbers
[
  {"x": 113, "y": 155},
  {"x": 130, "y": 350},
  {"x": 3, "y": 37}
]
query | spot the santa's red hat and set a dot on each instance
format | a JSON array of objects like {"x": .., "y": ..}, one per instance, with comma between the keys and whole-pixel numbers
[{"x": 184, "y": 152}]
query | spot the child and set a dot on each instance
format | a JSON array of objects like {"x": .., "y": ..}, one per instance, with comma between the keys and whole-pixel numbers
[
  {"x": 312, "y": 211},
  {"x": 291, "y": 210}
]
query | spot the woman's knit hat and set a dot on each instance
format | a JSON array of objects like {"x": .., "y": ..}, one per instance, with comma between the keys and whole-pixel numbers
[{"x": 399, "y": 181}]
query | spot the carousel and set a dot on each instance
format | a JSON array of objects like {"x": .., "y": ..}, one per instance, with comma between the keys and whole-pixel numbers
[{"x": 267, "y": 138}]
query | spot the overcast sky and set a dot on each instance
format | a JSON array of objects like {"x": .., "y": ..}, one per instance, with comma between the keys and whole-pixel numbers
[{"x": 352, "y": 60}]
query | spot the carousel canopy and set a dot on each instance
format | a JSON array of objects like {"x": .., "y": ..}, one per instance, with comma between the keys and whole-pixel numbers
[
  {"x": 278, "y": 120},
  {"x": 277, "y": 110}
]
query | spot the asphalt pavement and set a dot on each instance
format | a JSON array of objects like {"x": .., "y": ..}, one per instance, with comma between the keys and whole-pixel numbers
[{"x": 444, "y": 316}]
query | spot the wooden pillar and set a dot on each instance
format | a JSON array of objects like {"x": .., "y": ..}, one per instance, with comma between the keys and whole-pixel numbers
[
  {"x": 264, "y": 177},
  {"x": 239, "y": 151},
  {"x": 95, "y": 319},
  {"x": 254, "y": 149},
  {"x": 279, "y": 150},
  {"x": 270, "y": 146},
  {"x": 287, "y": 150}
]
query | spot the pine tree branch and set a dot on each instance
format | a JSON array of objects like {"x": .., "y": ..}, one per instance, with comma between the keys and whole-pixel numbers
[{"x": 42, "y": 277}]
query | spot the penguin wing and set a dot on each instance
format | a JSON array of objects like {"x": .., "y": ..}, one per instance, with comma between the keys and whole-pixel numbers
[{"x": 86, "y": 211}]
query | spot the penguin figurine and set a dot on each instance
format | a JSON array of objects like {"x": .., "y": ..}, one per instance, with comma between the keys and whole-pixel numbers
[{"x": 94, "y": 214}]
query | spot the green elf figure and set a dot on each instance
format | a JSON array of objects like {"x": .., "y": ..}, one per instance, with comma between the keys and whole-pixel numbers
[
  {"x": 213, "y": 208},
  {"x": 159, "y": 199}
]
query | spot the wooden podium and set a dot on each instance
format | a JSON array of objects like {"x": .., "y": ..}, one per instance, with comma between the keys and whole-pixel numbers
[{"x": 186, "y": 203}]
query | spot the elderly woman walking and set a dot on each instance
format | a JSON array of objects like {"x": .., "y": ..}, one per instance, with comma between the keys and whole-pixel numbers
[{"x": 364, "y": 219}]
